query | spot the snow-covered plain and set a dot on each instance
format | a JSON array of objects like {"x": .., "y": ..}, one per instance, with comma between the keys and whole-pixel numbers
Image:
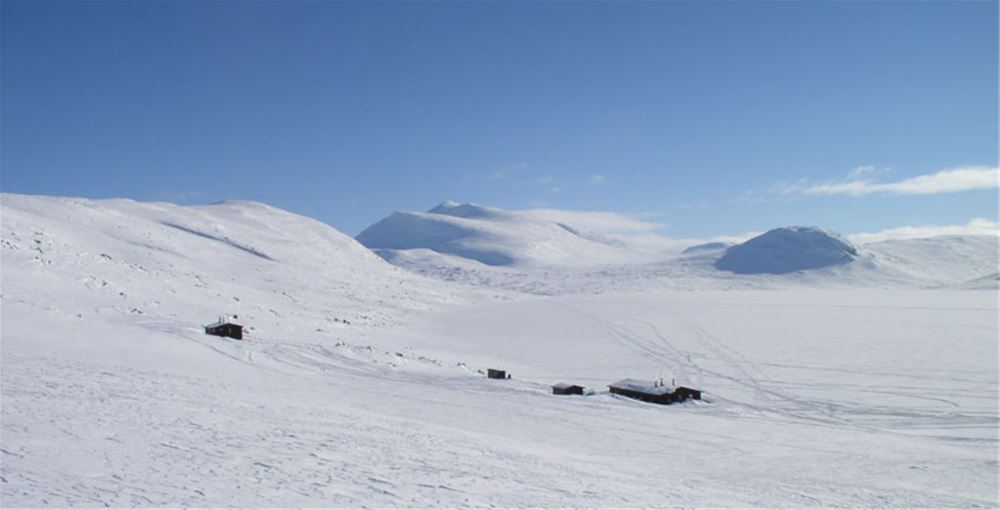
[{"x": 867, "y": 384}]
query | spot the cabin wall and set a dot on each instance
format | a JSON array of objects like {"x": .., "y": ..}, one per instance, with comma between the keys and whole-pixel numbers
[
  {"x": 645, "y": 397},
  {"x": 226, "y": 331}
]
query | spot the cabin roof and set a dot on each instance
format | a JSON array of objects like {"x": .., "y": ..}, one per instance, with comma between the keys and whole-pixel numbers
[
  {"x": 564, "y": 386},
  {"x": 223, "y": 323},
  {"x": 649, "y": 387}
]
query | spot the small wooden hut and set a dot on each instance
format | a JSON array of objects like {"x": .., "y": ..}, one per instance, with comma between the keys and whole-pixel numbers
[
  {"x": 683, "y": 393},
  {"x": 226, "y": 329},
  {"x": 567, "y": 389}
]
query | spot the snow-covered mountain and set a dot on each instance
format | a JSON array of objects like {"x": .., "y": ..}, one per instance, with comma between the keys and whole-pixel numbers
[
  {"x": 947, "y": 260},
  {"x": 787, "y": 250},
  {"x": 191, "y": 264},
  {"x": 359, "y": 383},
  {"x": 541, "y": 252},
  {"x": 495, "y": 237}
]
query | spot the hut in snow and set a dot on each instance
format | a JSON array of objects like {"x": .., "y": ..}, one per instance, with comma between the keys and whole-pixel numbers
[
  {"x": 653, "y": 391},
  {"x": 494, "y": 373},
  {"x": 567, "y": 389},
  {"x": 225, "y": 328}
]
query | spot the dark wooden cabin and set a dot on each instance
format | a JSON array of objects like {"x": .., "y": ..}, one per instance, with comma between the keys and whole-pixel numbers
[
  {"x": 226, "y": 329},
  {"x": 494, "y": 373},
  {"x": 684, "y": 393},
  {"x": 567, "y": 389},
  {"x": 651, "y": 391}
]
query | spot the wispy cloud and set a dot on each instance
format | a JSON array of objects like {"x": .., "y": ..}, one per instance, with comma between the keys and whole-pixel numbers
[
  {"x": 864, "y": 171},
  {"x": 976, "y": 226},
  {"x": 597, "y": 179},
  {"x": 859, "y": 182}
]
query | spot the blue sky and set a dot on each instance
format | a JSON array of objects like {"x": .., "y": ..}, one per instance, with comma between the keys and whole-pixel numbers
[{"x": 709, "y": 117}]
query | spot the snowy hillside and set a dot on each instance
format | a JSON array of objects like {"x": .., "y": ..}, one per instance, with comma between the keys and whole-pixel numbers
[
  {"x": 950, "y": 260},
  {"x": 149, "y": 259},
  {"x": 991, "y": 281},
  {"x": 495, "y": 237},
  {"x": 787, "y": 250},
  {"x": 360, "y": 383}
]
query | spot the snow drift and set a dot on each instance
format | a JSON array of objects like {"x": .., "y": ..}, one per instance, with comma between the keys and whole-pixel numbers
[{"x": 786, "y": 250}]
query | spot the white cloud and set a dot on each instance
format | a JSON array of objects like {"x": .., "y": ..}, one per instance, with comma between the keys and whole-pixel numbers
[
  {"x": 544, "y": 179},
  {"x": 596, "y": 179},
  {"x": 863, "y": 171},
  {"x": 976, "y": 226},
  {"x": 859, "y": 183}
]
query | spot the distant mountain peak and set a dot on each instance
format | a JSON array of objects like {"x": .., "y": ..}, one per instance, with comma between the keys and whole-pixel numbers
[
  {"x": 493, "y": 237},
  {"x": 466, "y": 210},
  {"x": 444, "y": 206},
  {"x": 786, "y": 250}
]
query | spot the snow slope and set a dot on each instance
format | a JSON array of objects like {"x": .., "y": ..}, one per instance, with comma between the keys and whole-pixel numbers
[
  {"x": 359, "y": 383},
  {"x": 951, "y": 260},
  {"x": 787, "y": 250},
  {"x": 494, "y": 237},
  {"x": 208, "y": 260},
  {"x": 990, "y": 281}
]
